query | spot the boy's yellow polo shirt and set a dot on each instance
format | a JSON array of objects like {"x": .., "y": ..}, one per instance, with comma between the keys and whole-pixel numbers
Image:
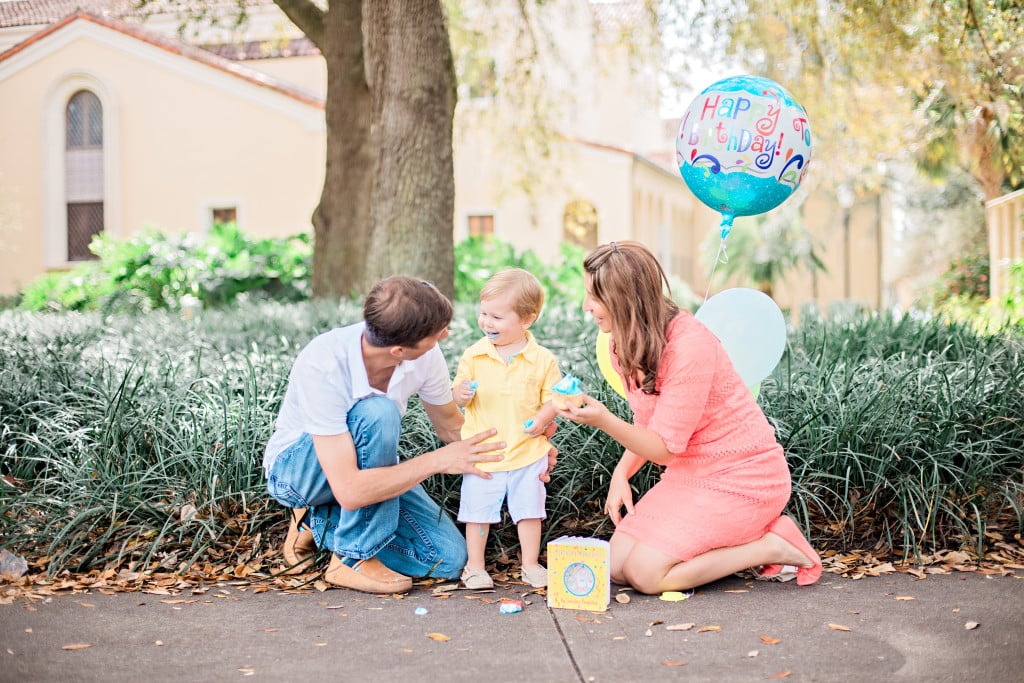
[{"x": 507, "y": 395}]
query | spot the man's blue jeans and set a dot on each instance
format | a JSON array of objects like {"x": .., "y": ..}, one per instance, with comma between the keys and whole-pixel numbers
[{"x": 410, "y": 534}]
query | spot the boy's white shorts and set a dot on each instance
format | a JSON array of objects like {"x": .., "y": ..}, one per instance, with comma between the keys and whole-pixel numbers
[{"x": 482, "y": 498}]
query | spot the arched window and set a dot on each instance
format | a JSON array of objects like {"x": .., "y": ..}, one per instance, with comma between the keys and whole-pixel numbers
[
  {"x": 83, "y": 168},
  {"x": 579, "y": 224}
]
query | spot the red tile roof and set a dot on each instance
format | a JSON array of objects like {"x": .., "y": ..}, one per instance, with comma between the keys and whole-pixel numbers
[
  {"x": 174, "y": 47},
  {"x": 662, "y": 161},
  {"x": 265, "y": 49},
  {"x": 38, "y": 12}
]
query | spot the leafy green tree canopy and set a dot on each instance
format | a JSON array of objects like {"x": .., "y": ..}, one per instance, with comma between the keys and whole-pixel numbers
[{"x": 939, "y": 82}]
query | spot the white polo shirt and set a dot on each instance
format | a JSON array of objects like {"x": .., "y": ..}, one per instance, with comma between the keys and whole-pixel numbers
[{"x": 329, "y": 376}]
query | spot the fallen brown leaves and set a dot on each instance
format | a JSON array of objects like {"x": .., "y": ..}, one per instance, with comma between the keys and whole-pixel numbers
[
  {"x": 1003, "y": 555},
  {"x": 258, "y": 573},
  {"x": 859, "y": 564},
  {"x": 200, "y": 579}
]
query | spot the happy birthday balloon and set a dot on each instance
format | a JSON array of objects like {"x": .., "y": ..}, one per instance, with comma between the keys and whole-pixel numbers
[{"x": 744, "y": 146}]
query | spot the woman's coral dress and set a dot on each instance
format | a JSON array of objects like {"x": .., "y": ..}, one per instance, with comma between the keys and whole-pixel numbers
[{"x": 729, "y": 479}]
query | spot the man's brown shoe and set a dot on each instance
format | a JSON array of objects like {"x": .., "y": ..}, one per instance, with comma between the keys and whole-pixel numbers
[
  {"x": 299, "y": 546},
  {"x": 368, "y": 576}
]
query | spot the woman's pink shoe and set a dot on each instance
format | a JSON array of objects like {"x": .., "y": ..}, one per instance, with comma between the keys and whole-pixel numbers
[
  {"x": 786, "y": 529},
  {"x": 767, "y": 571}
]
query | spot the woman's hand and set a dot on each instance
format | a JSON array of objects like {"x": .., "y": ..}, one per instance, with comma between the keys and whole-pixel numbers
[
  {"x": 592, "y": 412},
  {"x": 620, "y": 495}
]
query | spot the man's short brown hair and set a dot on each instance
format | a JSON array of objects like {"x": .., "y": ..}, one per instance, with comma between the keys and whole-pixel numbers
[{"x": 403, "y": 311}]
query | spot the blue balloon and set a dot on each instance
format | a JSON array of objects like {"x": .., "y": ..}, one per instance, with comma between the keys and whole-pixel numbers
[
  {"x": 744, "y": 146},
  {"x": 752, "y": 330}
]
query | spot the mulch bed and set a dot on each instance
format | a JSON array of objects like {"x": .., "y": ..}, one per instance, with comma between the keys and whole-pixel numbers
[{"x": 1004, "y": 555}]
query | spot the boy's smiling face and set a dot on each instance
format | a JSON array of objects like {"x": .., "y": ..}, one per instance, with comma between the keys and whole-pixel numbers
[{"x": 500, "y": 322}]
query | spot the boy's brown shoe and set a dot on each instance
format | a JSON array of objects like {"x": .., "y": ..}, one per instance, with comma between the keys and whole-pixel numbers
[
  {"x": 299, "y": 546},
  {"x": 368, "y": 576}
]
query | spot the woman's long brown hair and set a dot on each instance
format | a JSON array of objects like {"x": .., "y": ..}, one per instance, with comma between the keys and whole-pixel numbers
[{"x": 628, "y": 281}]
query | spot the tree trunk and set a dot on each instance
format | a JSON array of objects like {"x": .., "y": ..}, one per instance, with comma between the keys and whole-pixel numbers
[
  {"x": 982, "y": 150},
  {"x": 341, "y": 222},
  {"x": 413, "y": 91}
]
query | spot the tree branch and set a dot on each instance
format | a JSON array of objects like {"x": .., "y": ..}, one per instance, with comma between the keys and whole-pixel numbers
[
  {"x": 307, "y": 16},
  {"x": 973, "y": 20}
]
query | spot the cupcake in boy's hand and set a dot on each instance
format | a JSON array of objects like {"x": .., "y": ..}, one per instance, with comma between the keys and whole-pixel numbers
[{"x": 567, "y": 392}]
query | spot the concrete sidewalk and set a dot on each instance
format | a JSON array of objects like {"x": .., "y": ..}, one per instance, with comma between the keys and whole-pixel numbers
[{"x": 899, "y": 628}]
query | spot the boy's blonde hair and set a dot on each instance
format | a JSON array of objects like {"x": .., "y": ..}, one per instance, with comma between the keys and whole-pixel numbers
[{"x": 521, "y": 286}]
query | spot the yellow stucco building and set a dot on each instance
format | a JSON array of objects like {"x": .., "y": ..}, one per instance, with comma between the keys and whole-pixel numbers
[{"x": 110, "y": 121}]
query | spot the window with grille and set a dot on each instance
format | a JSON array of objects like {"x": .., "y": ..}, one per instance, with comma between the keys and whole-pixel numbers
[
  {"x": 85, "y": 220},
  {"x": 85, "y": 121},
  {"x": 481, "y": 225},
  {"x": 579, "y": 224},
  {"x": 83, "y": 173},
  {"x": 225, "y": 214}
]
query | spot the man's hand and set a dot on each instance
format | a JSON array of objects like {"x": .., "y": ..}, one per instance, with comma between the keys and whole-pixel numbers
[
  {"x": 545, "y": 476},
  {"x": 461, "y": 457}
]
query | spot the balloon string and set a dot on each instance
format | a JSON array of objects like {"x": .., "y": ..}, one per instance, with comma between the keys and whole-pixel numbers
[{"x": 721, "y": 257}]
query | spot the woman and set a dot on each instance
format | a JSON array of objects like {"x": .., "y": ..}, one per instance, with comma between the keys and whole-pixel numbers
[{"x": 718, "y": 507}]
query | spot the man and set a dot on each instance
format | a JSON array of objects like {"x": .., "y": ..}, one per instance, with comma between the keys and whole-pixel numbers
[{"x": 333, "y": 456}]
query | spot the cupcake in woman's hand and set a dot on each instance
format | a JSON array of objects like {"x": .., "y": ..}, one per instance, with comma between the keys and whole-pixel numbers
[{"x": 567, "y": 392}]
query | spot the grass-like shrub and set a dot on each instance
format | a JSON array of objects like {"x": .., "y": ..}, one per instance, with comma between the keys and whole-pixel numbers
[{"x": 136, "y": 441}]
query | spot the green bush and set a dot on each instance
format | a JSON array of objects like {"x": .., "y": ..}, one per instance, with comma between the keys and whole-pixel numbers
[
  {"x": 478, "y": 258},
  {"x": 966, "y": 277},
  {"x": 157, "y": 270},
  {"x": 76, "y": 290},
  {"x": 1013, "y": 302},
  {"x": 989, "y": 315},
  {"x": 154, "y": 270}
]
